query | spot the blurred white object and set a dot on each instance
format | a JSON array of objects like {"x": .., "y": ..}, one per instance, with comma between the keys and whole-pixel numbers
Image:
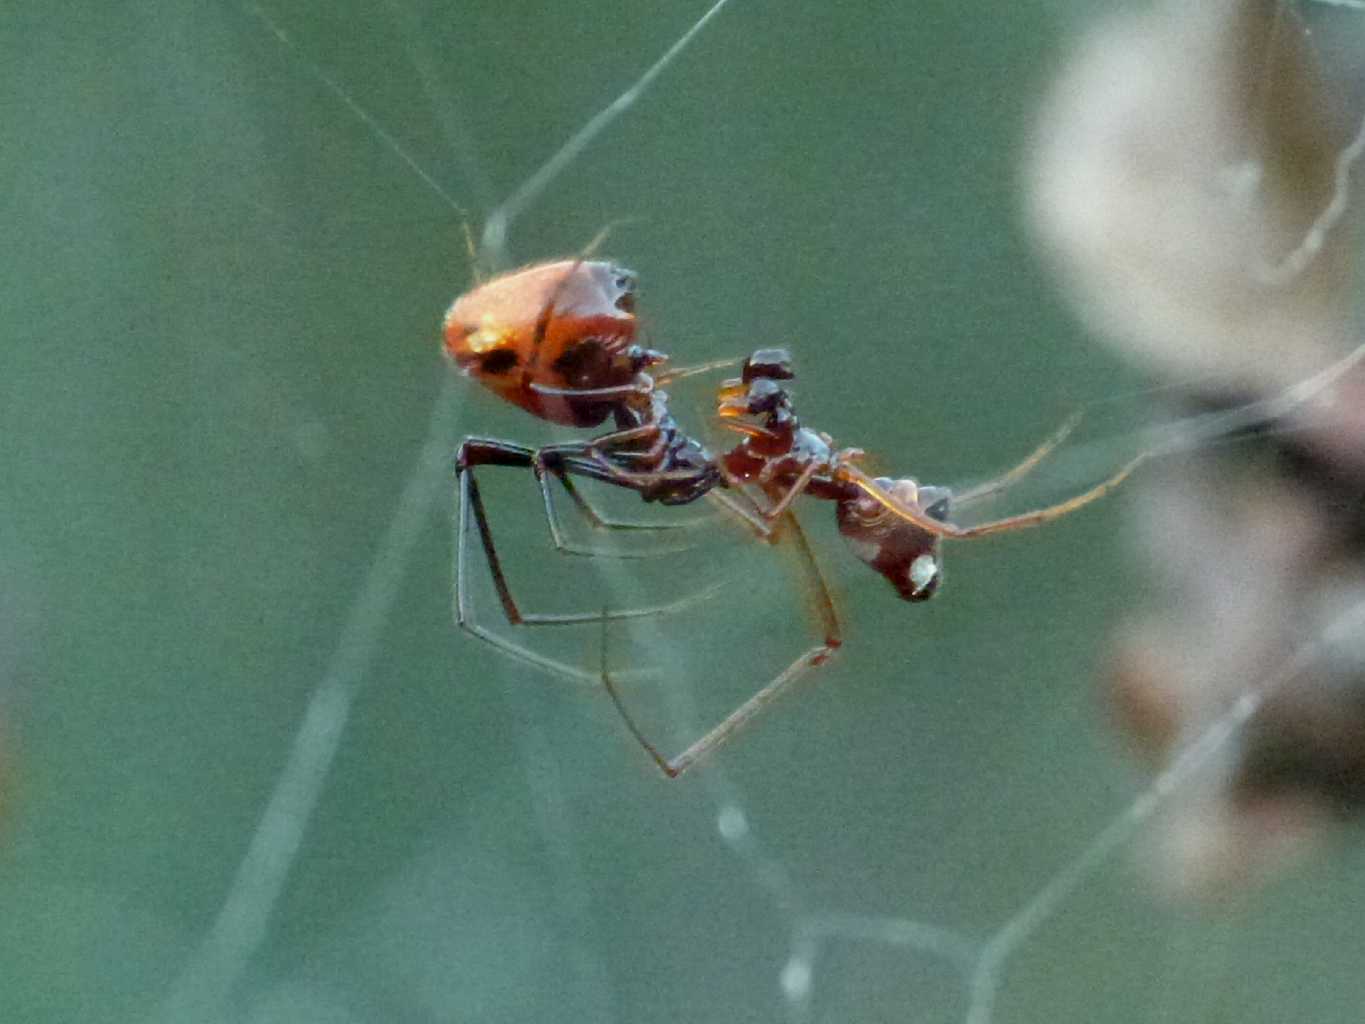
[
  {"x": 1190, "y": 180},
  {"x": 1184, "y": 180}
]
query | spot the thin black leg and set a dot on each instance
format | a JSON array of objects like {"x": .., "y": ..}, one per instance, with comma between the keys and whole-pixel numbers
[{"x": 480, "y": 452}]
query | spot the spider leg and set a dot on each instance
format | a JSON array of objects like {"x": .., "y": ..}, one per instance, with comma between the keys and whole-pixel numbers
[
  {"x": 762, "y": 518},
  {"x": 666, "y": 377},
  {"x": 746, "y": 511},
  {"x": 747, "y": 429},
  {"x": 597, "y": 521},
  {"x": 558, "y": 460},
  {"x": 741, "y": 716},
  {"x": 476, "y": 452},
  {"x": 612, "y": 393},
  {"x": 1023, "y": 520},
  {"x": 798, "y": 487},
  {"x": 1012, "y": 476}
]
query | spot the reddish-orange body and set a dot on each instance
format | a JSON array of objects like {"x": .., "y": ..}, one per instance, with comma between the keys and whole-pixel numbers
[{"x": 536, "y": 335}]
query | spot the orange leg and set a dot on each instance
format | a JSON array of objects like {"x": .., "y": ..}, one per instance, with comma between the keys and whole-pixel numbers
[
  {"x": 1023, "y": 520},
  {"x": 741, "y": 716}
]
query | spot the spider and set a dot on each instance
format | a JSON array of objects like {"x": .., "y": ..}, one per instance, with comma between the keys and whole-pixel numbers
[{"x": 558, "y": 340}]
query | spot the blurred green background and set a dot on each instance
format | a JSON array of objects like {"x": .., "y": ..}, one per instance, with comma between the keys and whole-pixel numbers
[{"x": 222, "y": 293}]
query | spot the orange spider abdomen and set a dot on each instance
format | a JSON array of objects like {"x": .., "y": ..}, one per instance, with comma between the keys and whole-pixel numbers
[{"x": 552, "y": 327}]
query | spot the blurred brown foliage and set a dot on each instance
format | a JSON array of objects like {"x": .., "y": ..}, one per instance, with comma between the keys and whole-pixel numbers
[{"x": 1190, "y": 181}]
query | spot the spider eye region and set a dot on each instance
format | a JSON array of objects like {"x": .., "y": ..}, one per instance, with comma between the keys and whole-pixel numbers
[
  {"x": 499, "y": 361},
  {"x": 487, "y": 345},
  {"x": 489, "y": 336}
]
